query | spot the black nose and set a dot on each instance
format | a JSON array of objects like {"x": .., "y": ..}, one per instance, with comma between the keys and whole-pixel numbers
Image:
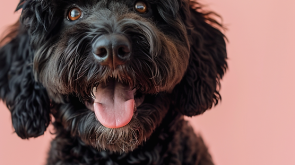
[{"x": 112, "y": 50}]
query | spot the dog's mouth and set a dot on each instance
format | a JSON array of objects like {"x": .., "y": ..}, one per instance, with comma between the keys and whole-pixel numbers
[{"x": 115, "y": 104}]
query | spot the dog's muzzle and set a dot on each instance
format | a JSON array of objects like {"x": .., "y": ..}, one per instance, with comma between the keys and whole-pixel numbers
[{"x": 114, "y": 102}]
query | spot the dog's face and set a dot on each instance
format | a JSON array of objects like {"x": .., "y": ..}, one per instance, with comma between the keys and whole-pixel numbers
[
  {"x": 116, "y": 67},
  {"x": 117, "y": 56}
]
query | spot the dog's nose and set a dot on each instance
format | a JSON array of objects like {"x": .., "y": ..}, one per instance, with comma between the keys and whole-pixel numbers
[{"x": 112, "y": 50}]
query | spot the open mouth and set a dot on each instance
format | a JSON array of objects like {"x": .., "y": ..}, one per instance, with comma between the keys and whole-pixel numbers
[{"x": 115, "y": 103}]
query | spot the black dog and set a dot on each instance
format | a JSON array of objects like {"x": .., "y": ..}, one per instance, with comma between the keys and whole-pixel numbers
[{"x": 117, "y": 76}]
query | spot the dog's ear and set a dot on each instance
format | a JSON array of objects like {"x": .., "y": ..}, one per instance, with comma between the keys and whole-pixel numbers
[
  {"x": 26, "y": 99},
  {"x": 199, "y": 88}
]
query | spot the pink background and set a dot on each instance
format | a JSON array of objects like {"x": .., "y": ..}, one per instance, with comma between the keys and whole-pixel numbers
[{"x": 255, "y": 122}]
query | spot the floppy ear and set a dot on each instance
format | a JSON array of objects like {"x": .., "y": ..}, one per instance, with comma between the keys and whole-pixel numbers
[
  {"x": 199, "y": 88},
  {"x": 27, "y": 100}
]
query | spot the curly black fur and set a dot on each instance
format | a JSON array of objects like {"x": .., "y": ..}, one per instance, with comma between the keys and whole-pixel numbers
[{"x": 177, "y": 61}]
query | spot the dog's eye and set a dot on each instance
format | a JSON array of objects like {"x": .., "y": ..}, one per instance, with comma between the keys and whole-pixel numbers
[
  {"x": 140, "y": 7},
  {"x": 74, "y": 14}
]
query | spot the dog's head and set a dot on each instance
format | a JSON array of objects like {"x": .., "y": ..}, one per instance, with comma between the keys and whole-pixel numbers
[{"x": 113, "y": 68}]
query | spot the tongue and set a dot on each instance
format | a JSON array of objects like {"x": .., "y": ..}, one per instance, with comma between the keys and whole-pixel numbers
[{"x": 114, "y": 104}]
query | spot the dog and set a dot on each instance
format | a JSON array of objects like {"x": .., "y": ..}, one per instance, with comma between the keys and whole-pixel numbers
[{"x": 114, "y": 77}]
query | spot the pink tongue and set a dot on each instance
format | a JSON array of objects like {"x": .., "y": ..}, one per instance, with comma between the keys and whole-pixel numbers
[{"x": 114, "y": 105}]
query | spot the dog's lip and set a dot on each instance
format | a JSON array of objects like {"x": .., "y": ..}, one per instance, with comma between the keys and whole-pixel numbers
[{"x": 114, "y": 103}]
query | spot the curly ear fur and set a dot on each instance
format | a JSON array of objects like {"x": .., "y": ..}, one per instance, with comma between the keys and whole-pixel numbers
[
  {"x": 27, "y": 100},
  {"x": 199, "y": 88}
]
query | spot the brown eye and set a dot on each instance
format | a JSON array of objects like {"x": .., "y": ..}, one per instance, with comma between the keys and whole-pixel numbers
[
  {"x": 74, "y": 14},
  {"x": 141, "y": 7}
]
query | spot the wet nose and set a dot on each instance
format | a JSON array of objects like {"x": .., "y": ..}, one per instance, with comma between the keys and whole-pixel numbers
[{"x": 112, "y": 50}]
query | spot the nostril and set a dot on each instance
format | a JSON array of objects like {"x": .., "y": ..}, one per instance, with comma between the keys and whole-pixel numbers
[
  {"x": 112, "y": 50},
  {"x": 101, "y": 52},
  {"x": 123, "y": 51}
]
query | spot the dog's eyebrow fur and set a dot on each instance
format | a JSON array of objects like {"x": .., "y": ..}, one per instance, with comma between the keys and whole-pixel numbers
[{"x": 50, "y": 66}]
